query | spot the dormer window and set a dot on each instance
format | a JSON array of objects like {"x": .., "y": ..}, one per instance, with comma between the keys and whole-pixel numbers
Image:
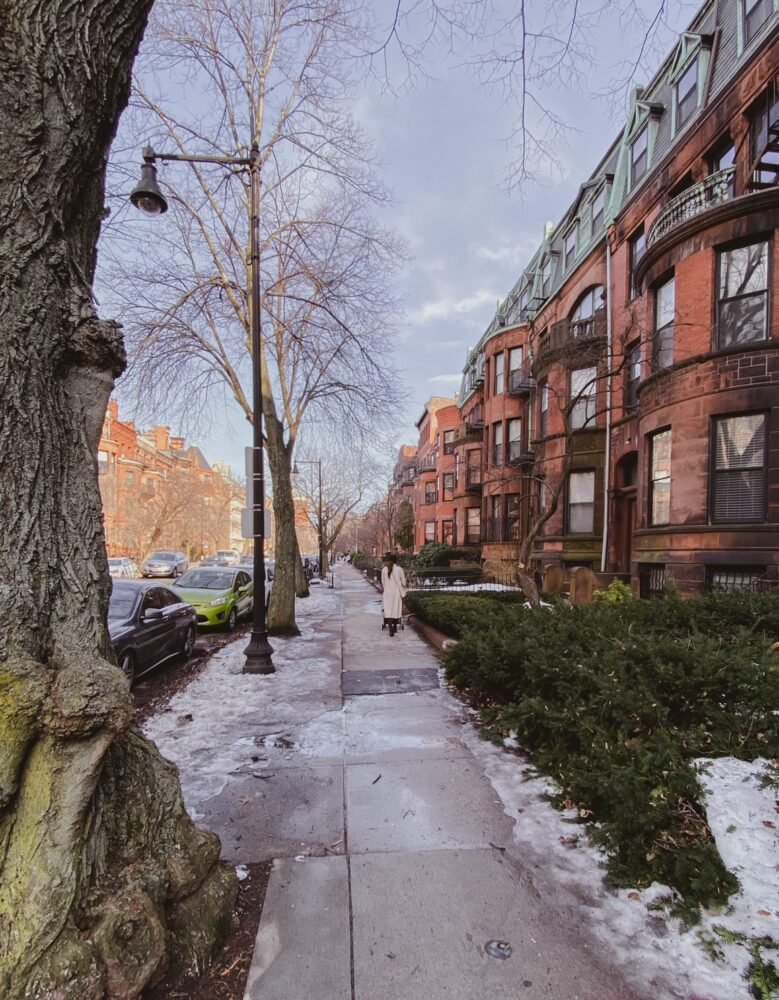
[
  {"x": 570, "y": 247},
  {"x": 687, "y": 94},
  {"x": 597, "y": 210},
  {"x": 755, "y": 14},
  {"x": 639, "y": 156},
  {"x": 546, "y": 277}
]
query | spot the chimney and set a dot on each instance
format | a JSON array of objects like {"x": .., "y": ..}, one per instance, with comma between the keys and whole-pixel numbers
[
  {"x": 113, "y": 409},
  {"x": 161, "y": 438},
  {"x": 177, "y": 444}
]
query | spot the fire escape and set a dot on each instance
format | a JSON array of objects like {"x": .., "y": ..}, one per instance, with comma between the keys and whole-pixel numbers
[{"x": 764, "y": 169}]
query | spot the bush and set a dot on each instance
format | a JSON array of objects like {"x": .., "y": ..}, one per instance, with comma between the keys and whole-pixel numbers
[
  {"x": 615, "y": 701},
  {"x": 433, "y": 554},
  {"x": 617, "y": 592}
]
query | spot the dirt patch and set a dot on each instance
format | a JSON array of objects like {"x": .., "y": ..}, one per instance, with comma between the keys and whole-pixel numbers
[
  {"x": 153, "y": 693},
  {"x": 226, "y": 978}
]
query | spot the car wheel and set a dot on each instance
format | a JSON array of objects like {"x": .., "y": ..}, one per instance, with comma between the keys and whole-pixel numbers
[
  {"x": 189, "y": 642},
  {"x": 232, "y": 620},
  {"x": 127, "y": 666}
]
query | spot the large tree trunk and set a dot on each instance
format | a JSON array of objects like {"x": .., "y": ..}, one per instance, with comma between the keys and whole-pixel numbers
[
  {"x": 301, "y": 583},
  {"x": 281, "y": 614},
  {"x": 104, "y": 881}
]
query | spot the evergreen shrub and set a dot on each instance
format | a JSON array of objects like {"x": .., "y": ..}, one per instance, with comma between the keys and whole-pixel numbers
[{"x": 615, "y": 701}]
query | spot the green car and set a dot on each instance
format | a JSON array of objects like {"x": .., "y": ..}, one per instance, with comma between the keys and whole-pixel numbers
[{"x": 219, "y": 595}]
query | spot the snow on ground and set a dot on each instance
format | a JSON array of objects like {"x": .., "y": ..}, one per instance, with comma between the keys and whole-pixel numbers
[
  {"x": 250, "y": 713},
  {"x": 651, "y": 947}
]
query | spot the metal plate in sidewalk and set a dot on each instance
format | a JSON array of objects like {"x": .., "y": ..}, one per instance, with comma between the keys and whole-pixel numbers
[{"x": 389, "y": 681}]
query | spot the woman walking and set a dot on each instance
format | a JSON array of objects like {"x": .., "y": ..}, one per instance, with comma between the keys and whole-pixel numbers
[{"x": 393, "y": 582}]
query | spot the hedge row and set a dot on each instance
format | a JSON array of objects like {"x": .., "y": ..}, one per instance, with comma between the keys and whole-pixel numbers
[{"x": 615, "y": 701}]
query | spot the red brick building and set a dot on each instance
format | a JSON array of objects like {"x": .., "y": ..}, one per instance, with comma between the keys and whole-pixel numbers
[
  {"x": 434, "y": 485},
  {"x": 159, "y": 494},
  {"x": 630, "y": 381}
]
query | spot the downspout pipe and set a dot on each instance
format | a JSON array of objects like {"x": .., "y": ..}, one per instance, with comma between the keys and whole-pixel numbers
[{"x": 609, "y": 376}]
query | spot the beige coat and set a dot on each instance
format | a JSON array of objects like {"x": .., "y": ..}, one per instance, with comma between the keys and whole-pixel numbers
[{"x": 394, "y": 587}]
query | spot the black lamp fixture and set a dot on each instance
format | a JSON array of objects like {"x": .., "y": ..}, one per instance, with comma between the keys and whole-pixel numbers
[{"x": 146, "y": 196}]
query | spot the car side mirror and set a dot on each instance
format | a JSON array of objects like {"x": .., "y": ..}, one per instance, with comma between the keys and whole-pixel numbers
[{"x": 152, "y": 614}]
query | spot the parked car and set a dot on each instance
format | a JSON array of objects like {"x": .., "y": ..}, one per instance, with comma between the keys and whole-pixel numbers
[
  {"x": 227, "y": 557},
  {"x": 165, "y": 564},
  {"x": 208, "y": 561},
  {"x": 270, "y": 571},
  {"x": 220, "y": 596},
  {"x": 148, "y": 624},
  {"x": 122, "y": 568}
]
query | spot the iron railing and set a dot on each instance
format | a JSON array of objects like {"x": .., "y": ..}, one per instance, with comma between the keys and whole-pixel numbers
[{"x": 714, "y": 190}]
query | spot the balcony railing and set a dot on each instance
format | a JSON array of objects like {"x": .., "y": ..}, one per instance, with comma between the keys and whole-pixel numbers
[
  {"x": 473, "y": 481},
  {"x": 714, "y": 190},
  {"x": 468, "y": 433},
  {"x": 521, "y": 382},
  {"x": 518, "y": 457},
  {"x": 426, "y": 465}
]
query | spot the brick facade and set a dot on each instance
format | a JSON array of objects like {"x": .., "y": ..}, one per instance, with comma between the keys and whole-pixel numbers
[{"x": 651, "y": 307}]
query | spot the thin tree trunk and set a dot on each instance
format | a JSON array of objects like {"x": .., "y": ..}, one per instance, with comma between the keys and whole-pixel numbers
[
  {"x": 104, "y": 881},
  {"x": 301, "y": 583},
  {"x": 281, "y": 615}
]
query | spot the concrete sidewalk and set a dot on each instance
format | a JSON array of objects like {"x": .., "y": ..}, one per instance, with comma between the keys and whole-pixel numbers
[
  {"x": 394, "y": 865},
  {"x": 394, "y": 860}
]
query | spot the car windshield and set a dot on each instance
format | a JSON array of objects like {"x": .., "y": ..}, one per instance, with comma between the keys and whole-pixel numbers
[
  {"x": 202, "y": 579},
  {"x": 121, "y": 604},
  {"x": 161, "y": 555},
  {"x": 225, "y": 552},
  {"x": 114, "y": 562}
]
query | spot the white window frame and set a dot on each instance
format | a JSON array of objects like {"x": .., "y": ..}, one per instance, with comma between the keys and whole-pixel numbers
[
  {"x": 584, "y": 393},
  {"x": 589, "y": 484}
]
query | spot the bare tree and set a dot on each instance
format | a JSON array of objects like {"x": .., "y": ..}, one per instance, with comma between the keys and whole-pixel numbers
[
  {"x": 277, "y": 77},
  {"x": 527, "y": 52},
  {"x": 348, "y": 475},
  {"x": 94, "y": 839}
]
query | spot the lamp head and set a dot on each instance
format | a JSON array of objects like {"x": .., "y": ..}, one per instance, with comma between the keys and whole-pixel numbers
[{"x": 146, "y": 194}]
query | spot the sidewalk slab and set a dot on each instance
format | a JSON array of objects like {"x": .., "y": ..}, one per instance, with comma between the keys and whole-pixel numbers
[
  {"x": 283, "y": 813},
  {"x": 303, "y": 951},
  {"x": 438, "y": 910},
  {"x": 422, "y": 805},
  {"x": 400, "y": 727}
]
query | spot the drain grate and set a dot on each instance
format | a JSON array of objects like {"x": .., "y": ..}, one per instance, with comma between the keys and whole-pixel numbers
[{"x": 389, "y": 681}]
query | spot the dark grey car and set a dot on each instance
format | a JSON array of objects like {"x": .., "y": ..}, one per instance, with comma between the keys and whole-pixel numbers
[{"x": 148, "y": 624}]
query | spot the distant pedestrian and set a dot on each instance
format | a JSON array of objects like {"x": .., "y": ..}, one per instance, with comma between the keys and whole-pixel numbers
[{"x": 393, "y": 583}]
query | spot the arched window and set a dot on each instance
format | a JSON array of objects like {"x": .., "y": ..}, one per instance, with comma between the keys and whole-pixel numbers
[{"x": 589, "y": 306}]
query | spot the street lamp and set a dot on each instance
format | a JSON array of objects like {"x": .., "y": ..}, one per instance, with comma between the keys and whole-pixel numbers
[
  {"x": 321, "y": 539},
  {"x": 147, "y": 197}
]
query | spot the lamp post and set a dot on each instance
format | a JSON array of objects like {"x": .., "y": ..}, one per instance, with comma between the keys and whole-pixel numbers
[
  {"x": 321, "y": 538},
  {"x": 147, "y": 197}
]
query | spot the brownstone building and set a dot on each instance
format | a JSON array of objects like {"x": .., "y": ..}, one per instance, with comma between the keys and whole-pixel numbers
[
  {"x": 434, "y": 485},
  {"x": 160, "y": 494},
  {"x": 628, "y": 387}
]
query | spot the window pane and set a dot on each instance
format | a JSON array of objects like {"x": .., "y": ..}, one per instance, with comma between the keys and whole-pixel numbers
[
  {"x": 515, "y": 359},
  {"x": 583, "y": 382},
  {"x": 687, "y": 93},
  {"x": 739, "y": 495},
  {"x": 743, "y": 270},
  {"x": 640, "y": 144},
  {"x": 741, "y": 442},
  {"x": 581, "y": 519},
  {"x": 515, "y": 430},
  {"x": 665, "y": 299},
  {"x": 497, "y": 434},
  {"x": 742, "y": 321},
  {"x": 661, "y": 502},
  {"x": 582, "y": 487}
]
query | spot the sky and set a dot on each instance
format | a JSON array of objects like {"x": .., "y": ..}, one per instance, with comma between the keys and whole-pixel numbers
[{"x": 443, "y": 153}]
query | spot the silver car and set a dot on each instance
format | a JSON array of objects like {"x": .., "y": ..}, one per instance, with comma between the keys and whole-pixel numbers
[
  {"x": 165, "y": 564},
  {"x": 122, "y": 568}
]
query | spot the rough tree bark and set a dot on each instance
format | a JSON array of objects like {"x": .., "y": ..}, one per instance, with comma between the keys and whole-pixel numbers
[
  {"x": 281, "y": 616},
  {"x": 104, "y": 881}
]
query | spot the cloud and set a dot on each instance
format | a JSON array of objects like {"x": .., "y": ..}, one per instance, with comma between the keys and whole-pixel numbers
[
  {"x": 446, "y": 378},
  {"x": 445, "y": 308}
]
